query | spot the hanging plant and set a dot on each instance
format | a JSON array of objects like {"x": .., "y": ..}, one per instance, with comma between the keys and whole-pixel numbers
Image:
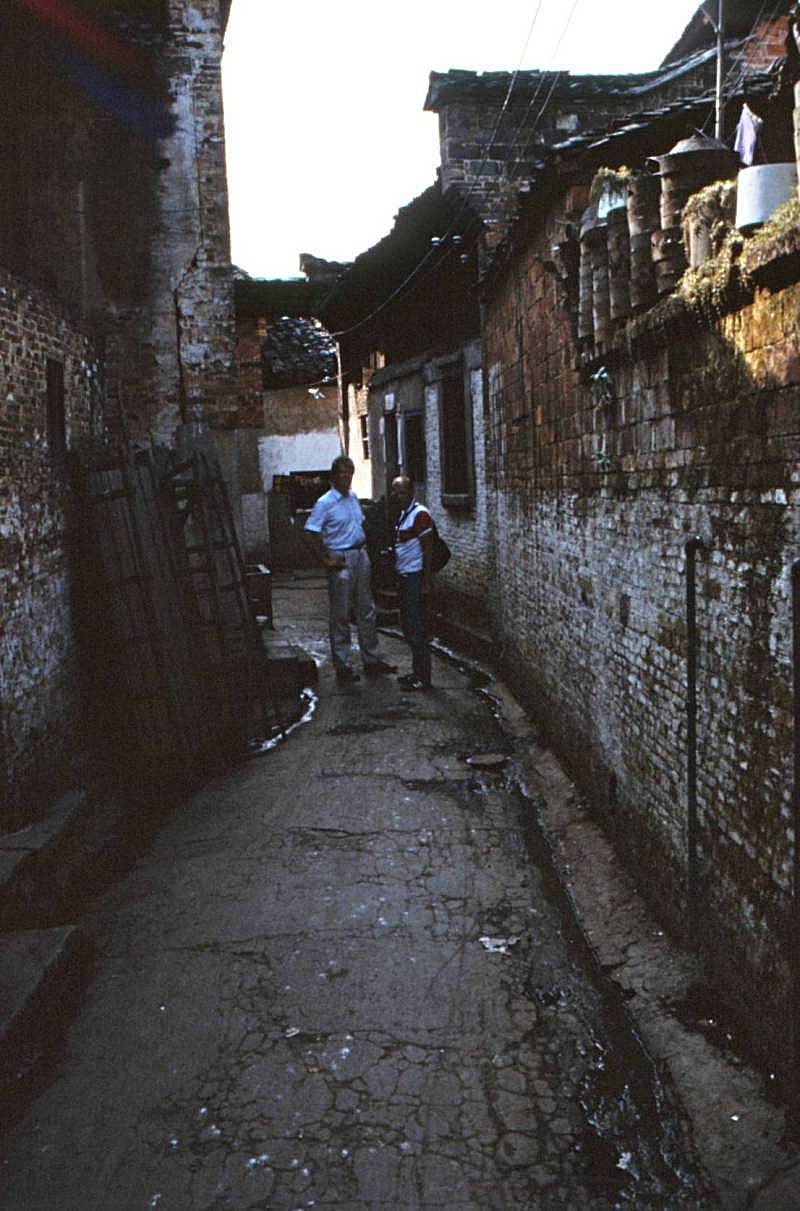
[{"x": 608, "y": 183}]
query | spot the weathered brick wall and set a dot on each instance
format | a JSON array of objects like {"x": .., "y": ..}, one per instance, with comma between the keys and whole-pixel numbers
[
  {"x": 40, "y": 731},
  {"x": 250, "y": 333},
  {"x": 116, "y": 214},
  {"x": 594, "y": 500},
  {"x": 766, "y": 45},
  {"x": 178, "y": 350}
]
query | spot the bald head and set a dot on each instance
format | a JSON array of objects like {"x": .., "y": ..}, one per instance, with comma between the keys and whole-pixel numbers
[{"x": 402, "y": 490}]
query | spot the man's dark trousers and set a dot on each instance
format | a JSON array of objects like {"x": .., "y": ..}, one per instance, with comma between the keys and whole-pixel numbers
[{"x": 414, "y": 621}]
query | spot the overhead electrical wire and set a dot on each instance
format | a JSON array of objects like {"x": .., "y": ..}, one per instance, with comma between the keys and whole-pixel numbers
[
  {"x": 732, "y": 88},
  {"x": 424, "y": 260},
  {"x": 513, "y": 162},
  {"x": 535, "y": 97}
]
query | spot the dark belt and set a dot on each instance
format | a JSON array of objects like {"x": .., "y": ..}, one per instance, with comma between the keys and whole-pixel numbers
[{"x": 355, "y": 547}]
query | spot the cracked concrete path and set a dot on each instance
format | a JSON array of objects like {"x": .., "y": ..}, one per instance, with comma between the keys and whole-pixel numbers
[{"x": 340, "y": 977}]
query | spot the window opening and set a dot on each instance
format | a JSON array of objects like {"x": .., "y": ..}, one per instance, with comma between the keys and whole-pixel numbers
[{"x": 455, "y": 450}]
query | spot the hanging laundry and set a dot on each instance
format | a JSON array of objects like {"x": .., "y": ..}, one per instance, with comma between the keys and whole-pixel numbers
[{"x": 747, "y": 141}]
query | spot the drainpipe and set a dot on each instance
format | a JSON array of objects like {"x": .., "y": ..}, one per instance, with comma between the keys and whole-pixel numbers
[
  {"x": 691, "y": 548},
  {"x": 720, "y": 73},
  {"x": 796, "y": 862},
  {"x": 718, "y": 26}
]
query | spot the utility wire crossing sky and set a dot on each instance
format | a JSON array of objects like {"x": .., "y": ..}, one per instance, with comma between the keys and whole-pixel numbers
[{"x": 325, "y": 132}]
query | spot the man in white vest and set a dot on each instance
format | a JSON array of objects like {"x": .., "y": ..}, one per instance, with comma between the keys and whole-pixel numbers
[{"x": 412, "y": 553}]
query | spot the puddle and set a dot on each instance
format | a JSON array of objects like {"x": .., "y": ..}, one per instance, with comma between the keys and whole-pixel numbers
[
  {"x": 487, "y": 761},
  {"x": 498, "y": 946},
  {"x": 264, "y": 744}
]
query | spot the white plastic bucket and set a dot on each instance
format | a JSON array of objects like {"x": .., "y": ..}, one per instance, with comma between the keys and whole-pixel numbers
[{"x": 761, "y": 190}]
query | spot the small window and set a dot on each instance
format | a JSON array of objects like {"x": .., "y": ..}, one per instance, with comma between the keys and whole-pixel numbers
[
  {"x": 414, "y": 446},
  {"x": 364, "y": 422},
  {"x": 56, "y": 415},
  {"x": 454, "y": 436}
]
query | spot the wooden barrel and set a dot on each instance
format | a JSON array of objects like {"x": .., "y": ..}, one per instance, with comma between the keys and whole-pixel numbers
[
  {"x": 669, "y": 259},
  {"x": 585, "y": 323},
  {"x": 691, "y": 165},
  {"x": 643, "y": 282},
  {"x": 601, "y": 303},
  {"x": 706, "y": 217},
  {"x": 594, "y": 239},
  {"x": 644, "y": 193},
  {"x": 619, "y": 263},
  {"x": 585, "y": 317}
]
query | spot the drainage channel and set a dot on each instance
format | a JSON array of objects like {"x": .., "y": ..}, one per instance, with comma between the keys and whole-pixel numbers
[{"x": 636, "y": 1143}]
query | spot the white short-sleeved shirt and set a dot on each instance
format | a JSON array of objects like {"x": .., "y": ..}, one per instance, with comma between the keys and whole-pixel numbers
[
  {"x": 339, "y": 519},
  {"x": 414, "y": 523}
]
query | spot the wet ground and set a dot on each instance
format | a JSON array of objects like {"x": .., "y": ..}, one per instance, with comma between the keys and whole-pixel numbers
[{"x": 346, "y": 976}]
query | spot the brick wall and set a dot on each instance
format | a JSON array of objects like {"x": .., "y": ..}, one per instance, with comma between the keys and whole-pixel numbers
[
  {"x": 593, "y": 498},
  {"x": 40, "y": 732},
  {"x": 177, "y": 350},
  {"x": 120, "y": 208}
]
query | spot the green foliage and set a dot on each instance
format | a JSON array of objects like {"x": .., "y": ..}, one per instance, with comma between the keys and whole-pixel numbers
[
  {"x": 784, "y": 221},
  {"x": 609, "y": 180},
  {"x": 720, "y": 282}
]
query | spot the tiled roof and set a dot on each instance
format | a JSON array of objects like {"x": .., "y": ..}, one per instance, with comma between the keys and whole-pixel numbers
[
  {"x": 297, "y": 352},
  {"x": 445, "y": 87},
  {"x": 740, "y": 18}
]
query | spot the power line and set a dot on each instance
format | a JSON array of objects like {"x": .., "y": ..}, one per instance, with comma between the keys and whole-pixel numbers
[
  {"x": 740, "y": 68},
  {"x": 549, "y": 96},
  {"x": 464, "y": 201}
]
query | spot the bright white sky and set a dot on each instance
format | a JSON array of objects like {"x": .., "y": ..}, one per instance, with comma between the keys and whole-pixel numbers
[{"x": 326, "y": 137}]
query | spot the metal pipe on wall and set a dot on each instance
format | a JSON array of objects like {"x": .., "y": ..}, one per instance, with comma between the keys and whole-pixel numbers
[
  {"x": 795, "y": 1028},
  {"x": 691, "y": 548},
  {"x": 719, "y": 107}
]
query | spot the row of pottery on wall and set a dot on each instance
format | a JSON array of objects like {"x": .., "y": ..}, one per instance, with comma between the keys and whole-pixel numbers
[{"x": 635, "y": 249}]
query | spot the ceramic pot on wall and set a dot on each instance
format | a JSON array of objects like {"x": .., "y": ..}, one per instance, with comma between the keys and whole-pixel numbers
[{"x": 761, "y": 190}]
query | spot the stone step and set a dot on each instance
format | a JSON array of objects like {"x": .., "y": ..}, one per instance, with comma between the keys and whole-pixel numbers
[
  {"x": 42, "y": 972},
  {"x": 288, "y": 668},
  {"x": 49, "y": 870}
]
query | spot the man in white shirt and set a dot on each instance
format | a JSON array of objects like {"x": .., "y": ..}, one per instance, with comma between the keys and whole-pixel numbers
[
  {"x": 335, "y": 532},
  {"x": 412, "y": 552}
]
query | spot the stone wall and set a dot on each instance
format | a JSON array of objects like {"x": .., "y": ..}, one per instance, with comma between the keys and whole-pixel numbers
[
  {"x": 595, "y": 488},
  {"x": 114, "y": 195},
  {"x": 113, "y": 222},
  {"x": 178, "y": 350},
  {"x": 40, "y": 725}
]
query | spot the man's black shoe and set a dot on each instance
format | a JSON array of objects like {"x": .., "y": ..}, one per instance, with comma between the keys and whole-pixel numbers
[
  {"x": 379, "y": 668},
  {"x": 346, "y": 675}
]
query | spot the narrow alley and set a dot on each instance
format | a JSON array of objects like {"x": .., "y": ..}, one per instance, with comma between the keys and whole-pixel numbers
[{"x": 346, "y": 976}]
